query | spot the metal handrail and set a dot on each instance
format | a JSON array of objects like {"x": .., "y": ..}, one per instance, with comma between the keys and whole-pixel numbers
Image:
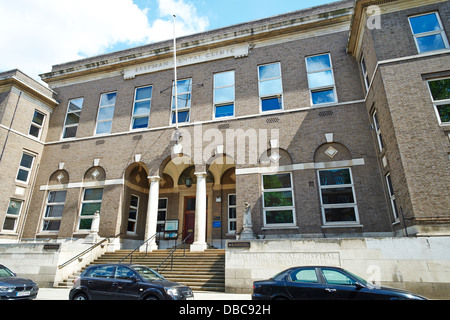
[
  {"x": 173, "y": 251},
  {"x": 131, "y": 253},
  {"x": 85, "y": 251}
]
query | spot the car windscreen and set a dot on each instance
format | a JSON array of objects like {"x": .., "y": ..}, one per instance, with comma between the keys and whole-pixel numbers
[
  {"x": 5, "y": 272},
  {"x": 147, "y": 273}
]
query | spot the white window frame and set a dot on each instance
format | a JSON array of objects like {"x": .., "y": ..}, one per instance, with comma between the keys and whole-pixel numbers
[
  {"x": 277, "y": 95},
  {"x": 80, "y": 217},
  {"x": 441, "y": 31},
  {"x": 179, "y": 93},
  {"x": 321, "y": 88},
  {"x": 137, "y": 214},
  {"x": 376, "y": 127},
  {"x": 392, "y": 196},
  {"x": 47, "y": 204},
  {"x": 365, "y": 73},
  {"x": 98, "y": 113},
  {"x": 29, "y": 170},
  {"x": 71, "y": 125},
  {"x": 224, "y": 103},
  {"x": 163, "y": 222},
  {"x": 147, "y": 115},
  {"x": 16, "y": 217},
  {"x": 37, "y": 125},
  {"x": 437, "y": 103},
  {"x": 337, "y": 206},
  {"x": 230, "y": 231},
  {"x": 265, "y": 209}
]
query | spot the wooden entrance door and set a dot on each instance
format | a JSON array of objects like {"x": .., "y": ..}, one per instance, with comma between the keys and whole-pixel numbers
[{"x": 189, "y": 218}]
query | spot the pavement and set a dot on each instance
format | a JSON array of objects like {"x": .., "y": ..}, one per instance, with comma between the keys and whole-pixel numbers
[{"x": 63, "y": 294}]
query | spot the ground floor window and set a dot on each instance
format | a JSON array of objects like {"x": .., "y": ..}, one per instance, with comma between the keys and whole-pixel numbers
[
  {"x": 12, "y": 215},
  {"x": 278, "y": 200},
  {"x": 392, "y": 196},
  {"x": 337, "y": 196},
  {"x": 231, "y": 213},
  {"x": 54, "y": 210},
  {"x": 91, "y": 203},
  {"x": 133, "y": 214},
  {"x": 162, "y": 214}
]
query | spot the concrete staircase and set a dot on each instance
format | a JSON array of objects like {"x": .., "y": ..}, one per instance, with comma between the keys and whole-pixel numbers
[{"x": 203, "y": 271}]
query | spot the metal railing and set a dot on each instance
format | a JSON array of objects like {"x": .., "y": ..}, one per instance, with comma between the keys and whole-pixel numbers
[
  {"x": 146, "y": 249},
  {"x": 86, "y": 251},
  {"x": 171, "y": 254}
]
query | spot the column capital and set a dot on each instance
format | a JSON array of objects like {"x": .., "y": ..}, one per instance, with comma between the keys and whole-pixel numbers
[
  {"x": 154, "y": 178},
  {"x": 200, "y": 173}
]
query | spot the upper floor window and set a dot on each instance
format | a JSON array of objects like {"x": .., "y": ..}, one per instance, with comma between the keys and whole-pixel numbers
[
  {"x": 440, "y": 94},
  {"x": 26, "y": 164},
  {"x": 321, "y": 79},
  {"x": 376, "y": 125},
  {"x": 36, "y": 124},
  {"x": 12, "y": 215},
  {"x": 224, "y": 94},
  {"x": 141, "y": 108},
  {"x": 270, "y": 87},
  {"x": 428, "y": 32},
  {"x": 105, "y": 113},
  {"x": 183, "y": 101},
  {"x": 365, "y": 73},
  {"x": 72, "y": 118}
]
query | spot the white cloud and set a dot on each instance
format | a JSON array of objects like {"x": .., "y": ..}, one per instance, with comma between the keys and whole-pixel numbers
[{"x": 37, "y": 34}]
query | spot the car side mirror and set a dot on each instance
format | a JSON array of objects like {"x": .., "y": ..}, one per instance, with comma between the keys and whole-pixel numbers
[
  {"x": 359, "y": 285},
  {"x": 134, "y": 278}
]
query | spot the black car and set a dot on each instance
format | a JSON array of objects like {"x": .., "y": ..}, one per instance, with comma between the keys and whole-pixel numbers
[
  {"x": 14, "y": 288},
  {"x": 324, "y": 283},
  {"x": 126, "y": 282}
]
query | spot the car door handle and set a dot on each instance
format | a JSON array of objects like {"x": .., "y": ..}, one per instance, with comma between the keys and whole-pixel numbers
[
  {"x": 330, "y": 290},
  {"x": 90, "y": 282},
  {"x": 115, "y": 284}
]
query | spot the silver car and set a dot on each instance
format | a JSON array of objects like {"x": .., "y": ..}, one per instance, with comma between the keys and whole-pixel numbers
[{"x": 14, "y": 288}]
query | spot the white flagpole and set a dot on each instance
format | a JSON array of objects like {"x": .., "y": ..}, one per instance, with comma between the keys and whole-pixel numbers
[{"x": 175, "y": 72}]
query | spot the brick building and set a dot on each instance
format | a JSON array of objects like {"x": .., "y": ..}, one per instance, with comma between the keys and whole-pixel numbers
[{"x": 327, "y": 122}]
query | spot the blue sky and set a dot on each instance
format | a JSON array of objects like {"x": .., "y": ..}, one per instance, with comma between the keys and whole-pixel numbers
[{"x": 37, "y": 34}]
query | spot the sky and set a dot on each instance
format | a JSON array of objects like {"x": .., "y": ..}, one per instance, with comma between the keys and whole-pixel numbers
[{"x": 37, "y": 34}]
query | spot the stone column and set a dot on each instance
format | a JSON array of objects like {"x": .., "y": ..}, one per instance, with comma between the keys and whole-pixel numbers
[
  {"x": 152, "y": 214},
  {"x": 199, "y": 244}
]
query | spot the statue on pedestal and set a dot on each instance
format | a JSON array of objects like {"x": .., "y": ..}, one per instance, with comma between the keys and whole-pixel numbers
[{"x": 247, "y": 233}]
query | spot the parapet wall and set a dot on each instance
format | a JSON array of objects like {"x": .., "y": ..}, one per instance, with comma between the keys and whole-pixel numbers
[{"x": 420, "y": 265}]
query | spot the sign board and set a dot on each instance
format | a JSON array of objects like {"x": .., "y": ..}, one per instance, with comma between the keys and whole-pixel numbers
[{"x": 239, "y": 244}]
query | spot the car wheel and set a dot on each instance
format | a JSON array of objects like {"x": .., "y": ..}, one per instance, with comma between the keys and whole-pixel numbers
[
  {"x": 80, "y": 296},
  {"x": 151, "y": 298}
]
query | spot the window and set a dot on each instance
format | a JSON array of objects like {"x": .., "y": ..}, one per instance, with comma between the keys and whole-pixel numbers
[
  {"x": 337, "y": 278},
  {"x": 184, "y": 95},
  {"x": 365, "y": 73},
  {"x": 12, "y": 215},
  {"x": 92, "y": 202},
  {"x": 105, "y": 113},
  {"x": 162, "y": 213},
  {"x": 100, "y": 272},
  {"x": 376, "y": 125},
  {"x": 278, "y": 200},
  {"x": 24, "y": 172},
  {"x": 141, "y": 108},
  {"x": 224, "y": 94},
  {"x": 36, "y": 124},
  {"x": 270, "y": 87},
  {"x": 54, "y": 210},
  {"x": 72, "y": 118},
  {"x": 392, "y": 196},
  {"x": 133, "y": 214},
  {"x": 305, "y": 276},
  {"x": 428, "y": 32},
  {"x": 321, "y": 79},
  {"x": 231, "y": 213},
  {"x": 440, "y": 94},
  {"x": 337, "y": 196}
]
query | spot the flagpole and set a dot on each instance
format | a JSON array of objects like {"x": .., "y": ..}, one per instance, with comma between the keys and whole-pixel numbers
[{"x": 175, "y": 73}]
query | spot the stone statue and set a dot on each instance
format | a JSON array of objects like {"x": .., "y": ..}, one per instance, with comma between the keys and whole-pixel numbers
[{"x": 247, "y": 233}]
